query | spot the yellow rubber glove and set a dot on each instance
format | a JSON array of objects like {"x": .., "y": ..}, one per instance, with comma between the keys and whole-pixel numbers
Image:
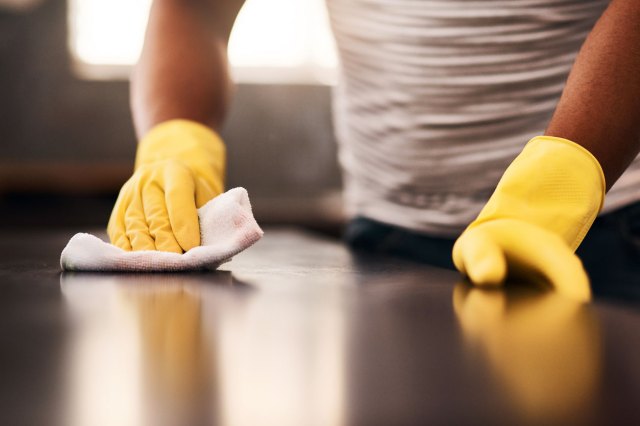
[
  {"x": 537, "y": 217},
  {"x": 179, "y": 167}
]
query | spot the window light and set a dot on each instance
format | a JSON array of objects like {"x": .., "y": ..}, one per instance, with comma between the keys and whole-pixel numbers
[{"x": 273, "y": 41}]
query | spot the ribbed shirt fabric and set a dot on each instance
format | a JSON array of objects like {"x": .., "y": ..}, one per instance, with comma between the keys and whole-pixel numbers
[{"x": 436, "y": 98}]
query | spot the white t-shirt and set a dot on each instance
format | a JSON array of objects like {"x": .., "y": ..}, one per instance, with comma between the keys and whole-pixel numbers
[{"x": 436, "y": 98}]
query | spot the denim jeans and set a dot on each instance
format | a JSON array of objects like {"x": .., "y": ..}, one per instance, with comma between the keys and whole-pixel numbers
[{"x": 610, "y": 252}]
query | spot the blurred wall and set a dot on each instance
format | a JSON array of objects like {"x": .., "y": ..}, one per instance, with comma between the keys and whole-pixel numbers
[{"x": 63, "y": 135}]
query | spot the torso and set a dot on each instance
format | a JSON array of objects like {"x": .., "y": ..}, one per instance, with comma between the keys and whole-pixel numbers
[{"x": 436, "y": 98}]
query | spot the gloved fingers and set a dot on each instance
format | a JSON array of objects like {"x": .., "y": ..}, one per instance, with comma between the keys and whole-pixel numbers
[
  {"x": 490, "y": 251},
  {"x": 205, "y": 191},
  {"x": 535, "y": 254},
  {"x": 136, "y": 228},
  {"x": 181, "y": 205},
  {"x": 157, "y": 218},
  {"x": 480, "y": 258},
  {"x": 116, "y": 227},
  {"x": 555, "y": 261}
]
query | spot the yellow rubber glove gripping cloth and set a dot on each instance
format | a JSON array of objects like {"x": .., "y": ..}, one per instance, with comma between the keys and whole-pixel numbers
[
  {"x": 179, "y": 166},
  {"x": 537, "y": 217}
]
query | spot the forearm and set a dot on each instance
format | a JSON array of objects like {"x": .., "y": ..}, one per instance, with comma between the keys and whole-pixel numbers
[
  {"x": 183, "y": 68},
  {"x": 600, "y": 106}
]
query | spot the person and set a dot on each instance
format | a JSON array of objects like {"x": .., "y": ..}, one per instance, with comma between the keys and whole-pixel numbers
[{"x": 490, "y": 130}]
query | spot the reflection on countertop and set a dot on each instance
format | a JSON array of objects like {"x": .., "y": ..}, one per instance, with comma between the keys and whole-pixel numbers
[
  {"x": 545, "y": 348},
  {"x": 167, "y": 349},
  {"x": 300, "y": 331}
]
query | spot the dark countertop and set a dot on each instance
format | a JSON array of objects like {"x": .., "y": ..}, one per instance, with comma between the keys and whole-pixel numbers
[{"x": 298, "y": 331}]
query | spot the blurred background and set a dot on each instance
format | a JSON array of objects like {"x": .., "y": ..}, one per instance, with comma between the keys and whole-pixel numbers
[{"x": 66, "y": 136}]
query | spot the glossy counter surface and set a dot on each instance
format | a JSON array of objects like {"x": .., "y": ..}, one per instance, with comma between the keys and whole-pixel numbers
[{"x": 298, "y": 331}]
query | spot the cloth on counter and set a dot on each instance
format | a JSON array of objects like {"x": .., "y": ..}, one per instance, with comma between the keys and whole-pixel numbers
[{"x": 227, "y": 227}]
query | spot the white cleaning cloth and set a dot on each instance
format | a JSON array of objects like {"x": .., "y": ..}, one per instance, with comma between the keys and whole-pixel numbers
[{"x": 227, "y": 227}]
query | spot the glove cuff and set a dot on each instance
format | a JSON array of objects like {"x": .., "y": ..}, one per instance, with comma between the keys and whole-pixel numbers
[
  {"x": 554, "y": 183},
  {"x": 179, "y": 139},
  {"x": 192, "y": 143}
]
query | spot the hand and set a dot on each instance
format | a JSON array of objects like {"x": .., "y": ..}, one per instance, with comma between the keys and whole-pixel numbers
[
  {"x": 537, "y": 217},
  {"x": 493, "y": 250},
  {"x": 179, "y": 167}
]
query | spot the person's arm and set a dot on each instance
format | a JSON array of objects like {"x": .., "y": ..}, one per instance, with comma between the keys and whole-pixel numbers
[
  {"x": 550, "y": 195},
  {"x": 183, "y": 68},
  {"x": 600, "y": 106},
  {"x": 180, "y": 90}
]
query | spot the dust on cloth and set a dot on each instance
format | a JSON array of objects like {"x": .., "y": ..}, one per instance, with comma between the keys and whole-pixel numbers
[{"x": 227, "y": 227}]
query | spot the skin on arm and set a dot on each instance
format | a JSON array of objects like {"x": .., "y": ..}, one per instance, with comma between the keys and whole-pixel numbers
[
  {"x": 552, "y": 192},
  {"x": 600, "y": 106},
  {"x": 180, "y": 90},
  {"x": 183, "y": 68}
]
